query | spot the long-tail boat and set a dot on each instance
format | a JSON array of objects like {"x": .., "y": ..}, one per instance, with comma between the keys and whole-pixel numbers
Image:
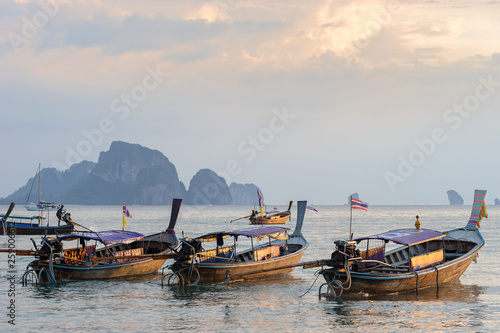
[
  {"x": 223, "y": 262},
  {"x": 424, "y": 258},
  {"x": 122, "y": 254},
  {"x": 273, "y": 217},
  {"x": 32, "y": 224}
]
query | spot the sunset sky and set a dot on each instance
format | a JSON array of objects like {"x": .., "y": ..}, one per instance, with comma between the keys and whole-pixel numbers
[{"x": 396, "y": 100}]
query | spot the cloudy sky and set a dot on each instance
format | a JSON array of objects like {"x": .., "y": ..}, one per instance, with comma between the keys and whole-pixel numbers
[{"x": 398, "y": 101}]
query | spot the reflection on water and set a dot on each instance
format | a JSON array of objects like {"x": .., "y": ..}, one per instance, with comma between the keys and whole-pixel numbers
[
  {"x": 452, "y": 307},
  {"x": 450, "y": 292}
]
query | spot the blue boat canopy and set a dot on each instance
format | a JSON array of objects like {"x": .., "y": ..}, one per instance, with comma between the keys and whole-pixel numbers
[
  {"x": 406, "y": 236},
  {"x": 271, "y": 231},
  {"x": 106, "y": 237},
  {"x": 21, "y": 217}
]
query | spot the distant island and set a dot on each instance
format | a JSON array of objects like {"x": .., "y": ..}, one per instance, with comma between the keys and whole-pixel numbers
[
  {"x": 455, "y": 198},
  {"x": 133, "y": 174}
]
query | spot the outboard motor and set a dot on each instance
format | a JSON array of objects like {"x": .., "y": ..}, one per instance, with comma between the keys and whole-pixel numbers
[
  {"x": 49, "y": 243},
  {"x": 345, "y": 250},
  {"x": 67, "y": 218},
  {"x": 348, "y": 247},
  {"x": 188, "y": 246},
  {"x": 340, "y": 266}
]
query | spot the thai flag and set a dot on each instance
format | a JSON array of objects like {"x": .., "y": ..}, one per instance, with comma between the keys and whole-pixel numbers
[
  {"x": 358, "y": 204},
  {"x": 125, "y": 211},
  {"x": 261, "y": 202}
]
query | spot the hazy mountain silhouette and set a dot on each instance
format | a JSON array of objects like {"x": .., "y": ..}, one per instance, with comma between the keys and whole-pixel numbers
[{"x": 132, "y": 174}]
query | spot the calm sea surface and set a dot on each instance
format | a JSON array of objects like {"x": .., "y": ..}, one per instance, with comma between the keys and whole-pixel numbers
[{"x": 281, "y": 305}]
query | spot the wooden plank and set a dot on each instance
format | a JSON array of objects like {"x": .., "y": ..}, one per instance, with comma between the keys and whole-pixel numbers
[{"x": 20, "y": 252}]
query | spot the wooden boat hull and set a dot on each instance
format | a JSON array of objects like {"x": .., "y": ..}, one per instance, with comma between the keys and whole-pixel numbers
[
  {"x": 212, "y": 273},
  {"x": 278, "y": 220},
  {"x": 123, "y": 254},
  {"x": 374, "y": 283},
  {"x": 29, "y": 229},
  {"x": 77, "y": 265},
  {"x": 74, "y": 273}
]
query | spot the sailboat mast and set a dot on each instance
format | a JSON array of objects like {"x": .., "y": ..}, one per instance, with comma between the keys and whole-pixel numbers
[{"x": 39, "y": 180}]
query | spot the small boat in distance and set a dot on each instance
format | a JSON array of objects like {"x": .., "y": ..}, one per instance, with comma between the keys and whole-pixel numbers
[
  {"x": 222, "y": 261},
  {"x": 33, "y": 224},
  {"x": 122, "y": 254},
  {"x": 40, "y": 205},
  {"x": 424, "y": 258},
  {"x": 273, "y": 217}
]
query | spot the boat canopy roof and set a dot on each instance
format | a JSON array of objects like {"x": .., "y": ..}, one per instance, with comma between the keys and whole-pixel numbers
[
  {"x": 21, "y": 217},
  {"x": 406, "y": 236},
  {"x": 271, "y": 231},
  {"x": 106, "y": 237}
]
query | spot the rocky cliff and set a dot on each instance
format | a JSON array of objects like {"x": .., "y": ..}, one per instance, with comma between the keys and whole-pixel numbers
[
  {"x": 54, "y": 184},
  {"x": 354, "y": 196},
  {"x": 244, "y": 194},
  {"x": 132, "y": 174},
  {"x": 207, "y": 188},
  {"x": 455, "y": 198},
  {"x": 128, "y": 173}
]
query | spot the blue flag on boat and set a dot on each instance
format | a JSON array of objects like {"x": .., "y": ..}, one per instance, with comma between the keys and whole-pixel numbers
[
  {"x": 312, "y": 208},
  {"x": 358, "y": 204}
]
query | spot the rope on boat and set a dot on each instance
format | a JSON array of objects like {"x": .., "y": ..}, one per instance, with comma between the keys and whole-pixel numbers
[
  {"x": 50, "y": 279},
  {"x": 330, "y": 291},
  {"x": 26, "y": 277},
  {"x": 437, "y": 278},
  {"x": 182, "y": 281},
  {"x": 317, "y": 273},
  {"x": 31, "y": 276},
  {"x": 416, "y": 287},
  {"x": 192, "y": 269},
  {"x": 171, "y": 278},
  {"x": 195, "y": 270},
  {"x": 50, "y": 274}
]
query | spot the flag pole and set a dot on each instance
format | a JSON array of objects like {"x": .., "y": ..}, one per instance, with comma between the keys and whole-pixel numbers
[{"x": 350, "y": 220}]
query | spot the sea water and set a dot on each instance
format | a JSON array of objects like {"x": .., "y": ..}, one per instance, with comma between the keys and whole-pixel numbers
[{"x": 287, "y": 304}]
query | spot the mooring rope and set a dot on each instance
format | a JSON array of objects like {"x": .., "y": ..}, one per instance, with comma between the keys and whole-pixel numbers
[{"x": 317, "y": 273}]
